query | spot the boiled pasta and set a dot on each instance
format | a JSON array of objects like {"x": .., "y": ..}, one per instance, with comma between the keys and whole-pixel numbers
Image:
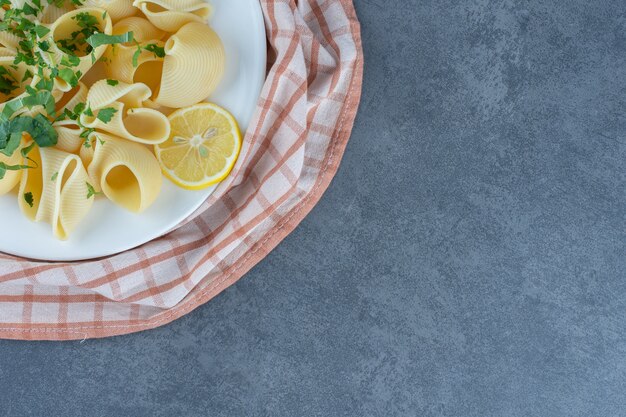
[
  {"x": 64, "y": 28},
  {"x": 142, "y": 29},
  {"x": 126, "y": 172},
  {"x": 86, "y": 86},
  {"x": 69, "y": 136},
  {"x": 72, "y": 98},
  {"x": 171, "y": 15},
  {"x": 193, "y": 66},
  {"x": 11, "y": 178},
  {"x": 58, "y": 187},
  {"x": 53, "y": 12},
  {"x": 117, "y": 9},
  {"x": 148, "y": 70},
  {"x": 130, "y": 120}
]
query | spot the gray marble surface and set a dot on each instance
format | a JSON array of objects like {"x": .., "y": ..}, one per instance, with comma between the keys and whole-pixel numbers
[{"x": 468, "y": 259}]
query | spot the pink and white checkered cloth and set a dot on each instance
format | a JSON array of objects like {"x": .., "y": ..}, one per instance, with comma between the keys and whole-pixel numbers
[{"x": 290, "y": 154}]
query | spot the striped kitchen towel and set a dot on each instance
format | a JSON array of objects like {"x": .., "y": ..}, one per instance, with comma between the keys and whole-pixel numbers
[{"x": 290, "y": 154}]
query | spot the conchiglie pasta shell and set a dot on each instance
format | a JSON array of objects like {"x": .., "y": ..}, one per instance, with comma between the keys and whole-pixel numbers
[
  {"x": 142, "y": 29},
  {"x": 62, "y": 28},
  {"x": 96, "y": 73},
  {"x": 74, "y": 204},
  {"x": 131, "y": 121},
  {"x": 117, "y": 9},
  {"x": 9, "y": 40},
  {"x": 119, "y": 65},
  {"x": 11, "y": 178},
  {"x": 193, "y": 66},
  {"x": 51, "y": 13},
  {"x": 101, "y": 94},
  {"x": 126, "y": 172},
  {"x": 7, "y": 52},
  {"x": 72, "y": 98},
  {"x": 59, "y": 189},
  {"x": 31, "y": 182},
  {"x": 86, "y": 155},
  {"x": 17, "y": 72},
  {"x": 141, "y": 125},
  {"x": 69, "y": 136},
  {"x": 171, "y": 15},
  {"x": 56, "y": 94}
]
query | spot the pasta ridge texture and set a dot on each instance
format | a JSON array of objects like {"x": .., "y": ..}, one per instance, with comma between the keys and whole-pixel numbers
[
  {"x": 193, "y": 66},
  {"x": 110, "y": 99},
  {"x": 11, "y": 178},
  {"x": 63, "y": 28},
  {"x": 117, "y": 9},
  {"x": 126, "y": 172},
  {"x": 171, "y": 15},
  {"x": 58, "y": 190},
  {"x": 142, "y": 29},
  {"x": 52, "y": 12},
  {"x": 149, "y": 67},
  {"x": 130, "y": 121},
  {"x": 14, "y": 72},
  {"x": 72, "y": 98},
  {"x": 69, "y": 139}
]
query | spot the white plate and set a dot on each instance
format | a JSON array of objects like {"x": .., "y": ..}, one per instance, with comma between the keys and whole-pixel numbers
[{"x": 109, "y": 229}]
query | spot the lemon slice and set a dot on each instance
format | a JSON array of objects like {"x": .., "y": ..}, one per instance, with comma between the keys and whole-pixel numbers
[{"x": 202, "y": 148}]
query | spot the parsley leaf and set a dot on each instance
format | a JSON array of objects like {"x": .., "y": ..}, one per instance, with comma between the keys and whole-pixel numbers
[
  {"x": 77, "y": 41},
  {"x": 27, "y": 75},
  {"x": 44, "y": 84},
  {"x": 98, "y": 39},
  {"x": 28, "y": 197},
  {"x": 86, "y": 20},
  {"x": 4, "y": 168},
  {"x": 157, "y": 50},
  {"x": 38, "y": 127},
  {"x": 29, "y": 10},
  {"x": 9, "y": 139},
  {"x": 136, "y": 57},
  {"x": 91, "y": 192},
  {"x": 7, "y": 82},
  {"x": 78, "y": 109},
  {"x": 69, "y": 76},
  {"x": 41, "y": 31},
  {"x": 106, "y": 114},
  {"x": 70, "y": 60},
  {"x": 112, "y": 83}
]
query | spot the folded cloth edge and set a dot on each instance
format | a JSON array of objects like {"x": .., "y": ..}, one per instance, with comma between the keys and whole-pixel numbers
[{"x": 287, "y": 224}]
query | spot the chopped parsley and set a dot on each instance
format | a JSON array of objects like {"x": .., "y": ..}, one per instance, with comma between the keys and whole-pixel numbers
[
  {"x": 8, "y": 83},
  {"x": 157, "y": 50},
  {"x": 4, "y": 168},
  {"x": 98, "y": 39},
  {"x": 38, "y": 127},
  {"x": 91, "y": 191},
  {"x": 28, "y": 197},
  {"x": 34, "y": 49},
  {"x": 105, "y": 115},
  {"x": 78, "y": 40},
  {"x": 69, "y": 76}
]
